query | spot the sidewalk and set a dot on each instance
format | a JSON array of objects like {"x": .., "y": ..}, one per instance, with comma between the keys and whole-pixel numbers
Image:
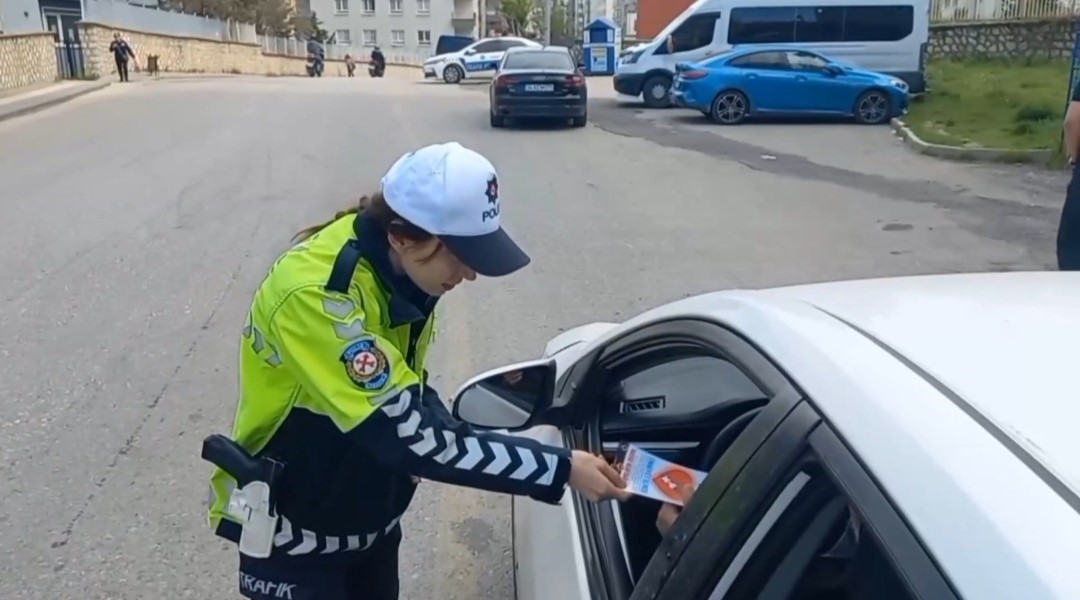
[{"x": 24, "y": 101}]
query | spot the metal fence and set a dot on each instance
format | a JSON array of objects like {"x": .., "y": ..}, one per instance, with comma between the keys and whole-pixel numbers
[
  {"x": 70, "y": 60},
  {"x": 960, "y": 11},
  {"x": 152, "y": 19},
  {"x": 294, "y": 47}
]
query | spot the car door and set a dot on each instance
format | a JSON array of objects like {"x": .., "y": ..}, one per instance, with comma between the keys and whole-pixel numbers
[
  {"x": 602, "y": 548},
  {"x": 694, "y": 40},
  {"x": 817, "y": 89},
  {"x": 803, "y": 519},
  {"x": 766, "y": 78},
  {"x": 483, "y": 58}
]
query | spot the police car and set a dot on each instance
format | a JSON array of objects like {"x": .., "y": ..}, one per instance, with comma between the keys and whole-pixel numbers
[
  {"x": 479, "y": 58},
  {"x": 907, "y": 438}
]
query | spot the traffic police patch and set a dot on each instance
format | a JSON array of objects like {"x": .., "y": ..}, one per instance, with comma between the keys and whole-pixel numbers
[{"x": 366, "y": 365}]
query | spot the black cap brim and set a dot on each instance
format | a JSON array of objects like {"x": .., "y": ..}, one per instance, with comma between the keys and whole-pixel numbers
[{"x": 491, "y": 255}]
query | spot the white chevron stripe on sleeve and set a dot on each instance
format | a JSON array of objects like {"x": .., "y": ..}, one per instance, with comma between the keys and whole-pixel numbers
[
  {"x": 552, "y": 462},
  {"x": 398, "y": 407},
  {"x": 353, "y": 543},
  {"x": 528, "y": 465},
  {"x": 473, "y": 454},
  {"x": 408, "y": 427},
  {"x": 426, "y": 445},
  {"x": 451, "y": 448},
  {"x": 502, "y": 459}
]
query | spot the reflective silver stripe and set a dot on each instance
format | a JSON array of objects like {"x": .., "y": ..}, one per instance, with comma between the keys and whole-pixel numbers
[
  {"x": 339, "y": 307},
  {"x": 330, "y": 544},
  {"x": 351, "y": 331},
  {"x": 444, "y": 449}
]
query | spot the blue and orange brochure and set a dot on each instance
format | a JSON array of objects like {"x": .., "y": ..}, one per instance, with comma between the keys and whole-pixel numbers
[{"x": 648, "y": 475}]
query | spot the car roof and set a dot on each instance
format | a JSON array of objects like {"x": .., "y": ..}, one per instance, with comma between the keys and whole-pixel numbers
[
  {"x": 551, "y": 49},
  {"x": 957, "y": 392}
]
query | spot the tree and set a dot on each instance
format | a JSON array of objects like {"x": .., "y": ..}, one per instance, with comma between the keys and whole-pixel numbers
[
  {"x": 519, "y": 15},
  {"x": 317, "y": 32}
]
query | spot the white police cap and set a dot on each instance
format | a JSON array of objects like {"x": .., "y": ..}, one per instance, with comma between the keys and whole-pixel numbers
[{"x": 452, "y": 192}]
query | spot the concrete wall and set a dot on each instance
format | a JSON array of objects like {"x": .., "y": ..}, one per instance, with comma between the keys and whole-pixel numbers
[
  {"x": 190, "y": 55},
  {"x": 20, "y": 16},
  {"x": 27, "y": 59},
  {"x": 1034, "y": 38}
]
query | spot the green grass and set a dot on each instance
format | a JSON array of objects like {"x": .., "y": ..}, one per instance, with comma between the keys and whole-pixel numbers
[{"x": 1011, "y": 104}]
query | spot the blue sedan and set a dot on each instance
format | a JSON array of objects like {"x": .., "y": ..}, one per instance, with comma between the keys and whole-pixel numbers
[{"x": 761, "y": 81}]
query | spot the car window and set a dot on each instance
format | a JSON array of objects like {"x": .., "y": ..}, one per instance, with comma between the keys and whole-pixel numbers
[
  {"x": 757, "y": 25},
  {"x": 761, "y": 60},
  {"x": 819, "y": 24},
  {"x": 538, "y": 60},
  {"x": 878, "y": 23},
  {"x": 811, "y": 542},
  {"x": 489, "y": 46},
  {"x": 695, "y": 32},
  {"x": 806, "y": 61}
]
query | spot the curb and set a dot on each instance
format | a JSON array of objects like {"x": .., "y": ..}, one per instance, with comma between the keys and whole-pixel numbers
[
  {"x": 46, "y": 101},
  {"x": 999, "y": 155}
]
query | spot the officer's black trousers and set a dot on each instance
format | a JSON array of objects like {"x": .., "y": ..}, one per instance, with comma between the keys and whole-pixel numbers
[
  {"x": 122, "y": 68},
  {"x": 372, "y": 576},
  {"x": 1068, "y": 239}
]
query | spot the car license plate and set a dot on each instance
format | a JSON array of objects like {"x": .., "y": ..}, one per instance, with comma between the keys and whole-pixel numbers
[{"x": 539, "y": 87}]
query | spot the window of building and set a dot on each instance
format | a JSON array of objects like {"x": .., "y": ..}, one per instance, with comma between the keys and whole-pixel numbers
[
  {"x": 369, "y": 6},
  {"x": 423, "y": 7},
  {"x": 397, "y": 37},
  {"x": 343, "y": 37},
  {"x": 395, "y": 7},
  {"x": 423, "y": 37},
  {"x": 370, "y": 37},
  {"x": 341, "y": 7}
]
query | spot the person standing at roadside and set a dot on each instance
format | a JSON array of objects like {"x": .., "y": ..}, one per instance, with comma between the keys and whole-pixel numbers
[
  {"x": 1068, "y": 238},
  {"x": 121, "y": 51}
]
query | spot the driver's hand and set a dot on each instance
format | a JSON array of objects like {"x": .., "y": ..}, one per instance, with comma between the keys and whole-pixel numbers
[{"x": 669, "y": 512}]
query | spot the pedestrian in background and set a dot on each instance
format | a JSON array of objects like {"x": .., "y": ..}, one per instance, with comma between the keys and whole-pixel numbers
[
  {"x": 350, "y": 64},
  {"x": 1068, "y": 238},
  {"x": 121, "y": 52}
]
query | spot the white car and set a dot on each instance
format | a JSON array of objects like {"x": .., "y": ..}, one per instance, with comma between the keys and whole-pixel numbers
[
  {"x": 478, "y": 58},
  {"x": 892, "y": 438}
]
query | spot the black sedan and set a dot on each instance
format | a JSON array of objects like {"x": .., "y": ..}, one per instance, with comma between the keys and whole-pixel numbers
[{"x": 538, "y": 83}]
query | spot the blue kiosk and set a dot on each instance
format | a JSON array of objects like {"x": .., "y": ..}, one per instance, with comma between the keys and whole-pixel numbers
[{"x": 602, "y": 43}]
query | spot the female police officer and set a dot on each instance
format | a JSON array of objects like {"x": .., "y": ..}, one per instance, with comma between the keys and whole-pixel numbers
[{"x": 333, "y": 384}]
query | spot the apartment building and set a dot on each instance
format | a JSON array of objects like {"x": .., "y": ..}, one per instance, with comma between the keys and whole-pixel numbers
[{"x": 397, "y": 26}]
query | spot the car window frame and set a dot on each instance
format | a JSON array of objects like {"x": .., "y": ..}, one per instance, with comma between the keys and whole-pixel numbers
[
  {"x": 786, "y": 66},
  {"x": 716, "y": 16},
  {"x": 692, "y": 577},
  {"x": 597, "y": 522},
  {"x": 569, "y": 59},
  {"x": 477, "y": 48}
]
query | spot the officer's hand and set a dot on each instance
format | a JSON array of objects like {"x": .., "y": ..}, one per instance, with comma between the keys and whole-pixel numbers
[
  {"x": 595, "y": 478},
  {"x": 669, "y": 512}
]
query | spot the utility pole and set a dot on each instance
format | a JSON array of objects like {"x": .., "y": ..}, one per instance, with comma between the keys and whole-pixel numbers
[{"x": 548, "y": 6}]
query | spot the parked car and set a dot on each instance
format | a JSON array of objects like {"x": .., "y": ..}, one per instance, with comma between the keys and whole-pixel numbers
[
  {"x": 913, "y": 435},
  {"x": 761, "y": 81},
  {"x": 538, "y": 83},
  {"x": 481, "y": 57}
]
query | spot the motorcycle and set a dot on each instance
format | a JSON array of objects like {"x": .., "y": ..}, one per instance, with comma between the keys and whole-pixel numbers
[
  {"x": 376, "y": 69},
  {"x": 314, "y": 65}
]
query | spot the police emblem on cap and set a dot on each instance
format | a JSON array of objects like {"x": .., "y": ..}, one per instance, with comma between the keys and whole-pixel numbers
[
  {"x": 492, "y": 192},
  {"x": 366, "y": 365}
]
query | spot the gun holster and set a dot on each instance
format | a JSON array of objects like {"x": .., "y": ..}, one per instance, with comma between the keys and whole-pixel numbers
[{"x": 253, "y": 502}]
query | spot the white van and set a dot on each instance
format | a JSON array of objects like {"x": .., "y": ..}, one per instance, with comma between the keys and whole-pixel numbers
[{"x": 889, "y": 36}]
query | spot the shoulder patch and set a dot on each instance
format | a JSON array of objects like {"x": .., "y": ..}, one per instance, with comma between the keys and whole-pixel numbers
[{"x": 366, "y": 365}]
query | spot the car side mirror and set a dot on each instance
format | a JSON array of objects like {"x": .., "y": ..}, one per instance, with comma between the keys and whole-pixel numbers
[
  {"x": 834, "y": 70},
  {"x": 507, "y": 397}
]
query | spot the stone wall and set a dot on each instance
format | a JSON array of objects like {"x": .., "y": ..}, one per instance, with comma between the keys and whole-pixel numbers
[
  {"x": 27, "y": 59},
  {"x": 190, "y": 55},
  {"x": 1033, "y": 38}
]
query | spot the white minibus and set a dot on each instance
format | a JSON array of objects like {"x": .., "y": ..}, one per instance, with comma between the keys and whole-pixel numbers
[{"x": 889, "y": 36}]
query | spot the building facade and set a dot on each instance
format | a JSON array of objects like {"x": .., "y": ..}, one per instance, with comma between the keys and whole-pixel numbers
[
  {"x": 397, "y": 26},
  {"x": 654, "y": 15}
]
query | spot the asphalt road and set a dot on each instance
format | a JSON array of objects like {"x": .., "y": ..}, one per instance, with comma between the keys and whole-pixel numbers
[{"x": 138, "y": 220}]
